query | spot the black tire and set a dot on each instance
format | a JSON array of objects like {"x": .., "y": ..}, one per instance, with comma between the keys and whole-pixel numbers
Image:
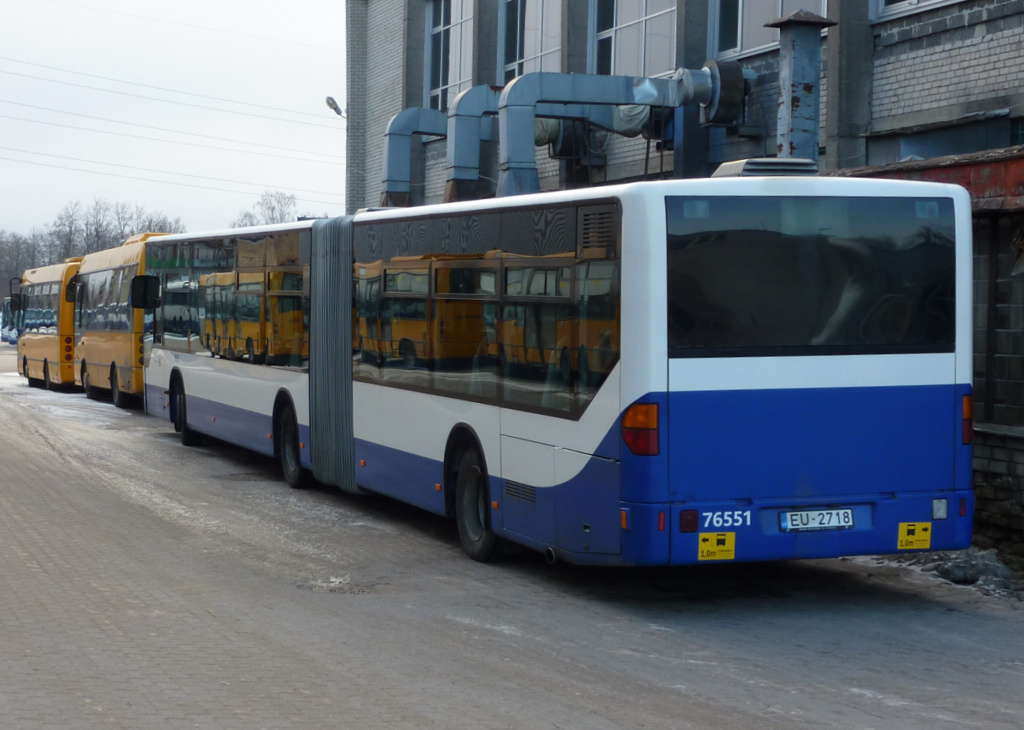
[
  {"x": 118, "y": 398},
  {"x": 472, "y": 509},
  {"x": 90, "y": 390},
  {"x": 288, "y": 449},
  {"x": 32, "y": 382},
  {"x": 188, "y": 436},
  {"x": 47, "y": 383}
]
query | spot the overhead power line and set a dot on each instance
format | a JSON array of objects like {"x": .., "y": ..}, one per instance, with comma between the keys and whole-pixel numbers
[
  {"x": 168, "y": 101},
  {"x": 161, "y": 88},
  {"x": 219, "y": 31},
  {"x": 171, "y": 131},
  {"x": 168, "y": 141},
  {"x": 161, "y": 182},
  {"x": 161, "y": 172}
]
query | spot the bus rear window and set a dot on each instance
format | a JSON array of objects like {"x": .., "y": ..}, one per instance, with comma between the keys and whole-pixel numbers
[{"x": 762, "y": 276}]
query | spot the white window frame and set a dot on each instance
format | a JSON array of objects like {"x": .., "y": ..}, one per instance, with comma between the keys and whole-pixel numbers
[
  {"x": 881, "y": 12},
  {"x": 462, "y": 76},
  {"x": 520, "y": 61},
  {"x": 613, "y": 33},
  {"x": 741, "y": 50}
]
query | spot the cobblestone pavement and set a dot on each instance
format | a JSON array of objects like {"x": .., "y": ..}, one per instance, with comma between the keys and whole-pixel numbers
[{"x": 146, "y": 585}]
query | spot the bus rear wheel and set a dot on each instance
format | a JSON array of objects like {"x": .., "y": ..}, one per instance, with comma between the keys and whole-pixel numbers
[
  {"x": 288, "y": 449},
  {"x": 47, "y": 383},
  {"x": 32, "y": 382},
  {"x": 119, "y": 398},
  {"x": 472, "y": 506},
  {"x": 90, "y": 392}
]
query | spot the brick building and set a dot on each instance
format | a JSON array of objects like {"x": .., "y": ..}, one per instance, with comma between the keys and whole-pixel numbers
[{"x": 932, "y": 89}]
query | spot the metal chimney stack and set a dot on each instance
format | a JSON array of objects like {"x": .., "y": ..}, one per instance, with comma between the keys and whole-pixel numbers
[{"x": 799, "y": 83}]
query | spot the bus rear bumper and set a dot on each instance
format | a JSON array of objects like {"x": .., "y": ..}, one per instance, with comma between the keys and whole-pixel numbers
[{"x": 686, "y": 533}]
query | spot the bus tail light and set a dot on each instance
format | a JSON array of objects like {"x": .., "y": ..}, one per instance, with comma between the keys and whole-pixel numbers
[
  {"x": 688, "y": 520},
  {"x": 968, "y": 416},
  {"x": 640, "y": 429}
]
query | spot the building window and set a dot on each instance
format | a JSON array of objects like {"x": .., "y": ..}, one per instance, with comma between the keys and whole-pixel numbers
[
  {"x": 737, "y": 26},
  {"x": 634, "y": 37},
  {"x": 449, "y": 50},
  {"x": 1016, "y": 132},
  {"x": 531, "y": 35},
  {"x": 886, "y": 9}
]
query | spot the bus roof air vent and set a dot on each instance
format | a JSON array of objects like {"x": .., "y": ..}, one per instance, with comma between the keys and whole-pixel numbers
[{"x": 767, "y": 167}]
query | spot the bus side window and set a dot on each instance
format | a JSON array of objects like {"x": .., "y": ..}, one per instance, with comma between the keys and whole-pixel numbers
[
  {"x": 366, "y": 321},
  {"x": 405, "y": 347},
  {"x": 464, "y": 348},
  {"x": 288, "y": 325},
  {"x": 536, "y": 334}
]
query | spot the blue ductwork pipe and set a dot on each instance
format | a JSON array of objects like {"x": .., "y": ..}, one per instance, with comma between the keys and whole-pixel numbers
[
  {"x": 525, "y": 97},
  {"x": 397, "y": 191}
]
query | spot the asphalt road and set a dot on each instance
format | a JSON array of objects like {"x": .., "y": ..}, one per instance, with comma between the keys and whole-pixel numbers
[{"x": 144, "y": 584}]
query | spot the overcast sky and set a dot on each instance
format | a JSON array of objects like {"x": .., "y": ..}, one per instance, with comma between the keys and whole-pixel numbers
[{"x": 192, "y": 108}]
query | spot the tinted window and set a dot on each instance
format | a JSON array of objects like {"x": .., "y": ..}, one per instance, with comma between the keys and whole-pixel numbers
[{"x": 814, "y": 275}]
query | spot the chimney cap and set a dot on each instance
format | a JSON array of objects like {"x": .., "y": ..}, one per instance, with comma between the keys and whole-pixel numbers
[{"x": 801, "y": 17}]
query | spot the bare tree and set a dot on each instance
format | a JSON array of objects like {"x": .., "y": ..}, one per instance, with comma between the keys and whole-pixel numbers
[
  {"x": 18, "y": 253},
  {"x": 66, "y": 233},
  {"x": 161, "y": 223},
  {"x": 245, "y": 218},
  {"x": 274, "y": 206},
  {"x": 123, "y": 215},
  {"x": 100, "y": 232},
  {"x": 141, "y": 220}
]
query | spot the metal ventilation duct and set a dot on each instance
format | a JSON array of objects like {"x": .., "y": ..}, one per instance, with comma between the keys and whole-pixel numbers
[
  {"x": 718, "y": 87},
  {"x": 397, "y": 189}
]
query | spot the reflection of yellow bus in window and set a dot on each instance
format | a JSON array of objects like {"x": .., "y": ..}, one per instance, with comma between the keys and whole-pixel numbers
[
  {"x": 250, "y": 316},
  {"x": 217, "y": 292},
  {"x": 537, "y": 317},
  {"x": 404, "y": 313},
  {"x": 365, "y": 315},
  {"x": 598, "y": 308},
  {"x": 288, "y": 317},
  {"x": 46, "y": 345},
  {"x": 464, "y": 326}
]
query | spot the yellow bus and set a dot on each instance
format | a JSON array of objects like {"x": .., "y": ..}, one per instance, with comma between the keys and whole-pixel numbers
[
  {"x": 109, "y": 333},
  {"x": 46, "y": 346},
  {"x": 217, "y": 292}
]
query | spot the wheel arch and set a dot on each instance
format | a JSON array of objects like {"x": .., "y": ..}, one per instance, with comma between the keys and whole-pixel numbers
[{"x": 281, "y": 400}]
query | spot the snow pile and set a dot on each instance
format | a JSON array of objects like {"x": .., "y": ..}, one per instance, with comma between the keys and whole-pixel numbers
[{"x": 970, "y": 567}]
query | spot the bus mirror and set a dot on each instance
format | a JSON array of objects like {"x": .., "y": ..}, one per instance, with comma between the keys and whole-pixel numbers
[
  {"x": 71, "y": 290},
  {"x": 145, "y": 292},
  {"x": 15, "y": 302}
]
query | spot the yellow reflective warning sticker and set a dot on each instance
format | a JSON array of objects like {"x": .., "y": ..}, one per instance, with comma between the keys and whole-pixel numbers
[
  {"x": 716, "y": 546},
  {"x": 915, "y": 536}
]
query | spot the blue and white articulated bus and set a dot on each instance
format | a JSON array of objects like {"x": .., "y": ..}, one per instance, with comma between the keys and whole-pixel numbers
[{"x": 658, "y": 373}]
